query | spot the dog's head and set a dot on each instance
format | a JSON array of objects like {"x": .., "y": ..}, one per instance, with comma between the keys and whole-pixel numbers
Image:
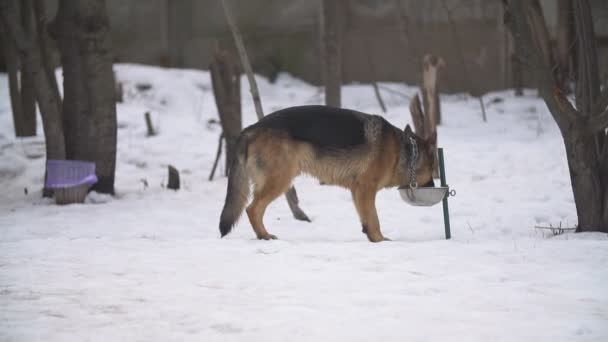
[{"x": 423, "y": 150}]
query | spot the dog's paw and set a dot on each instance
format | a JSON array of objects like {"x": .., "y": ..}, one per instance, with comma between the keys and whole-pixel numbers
[{"x": 267, "y": 237}]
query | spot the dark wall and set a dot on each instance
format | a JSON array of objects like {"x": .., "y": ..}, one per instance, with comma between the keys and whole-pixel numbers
[{"x": 283, "y": 35}]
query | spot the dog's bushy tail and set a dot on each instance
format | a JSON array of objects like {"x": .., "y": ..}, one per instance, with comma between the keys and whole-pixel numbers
[{"x": 238, "y": 190}]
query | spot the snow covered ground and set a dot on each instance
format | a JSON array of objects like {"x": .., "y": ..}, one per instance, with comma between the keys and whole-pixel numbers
[{"x": 148, "y": 264}]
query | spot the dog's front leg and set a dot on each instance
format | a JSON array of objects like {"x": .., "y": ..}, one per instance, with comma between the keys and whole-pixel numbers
[{"x": 365, "y": 202}]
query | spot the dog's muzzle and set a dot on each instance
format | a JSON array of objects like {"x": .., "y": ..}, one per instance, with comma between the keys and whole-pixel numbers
[{"x": 430, "y": 184}]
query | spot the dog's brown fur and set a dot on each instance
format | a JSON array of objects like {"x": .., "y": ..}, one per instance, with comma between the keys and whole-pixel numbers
[{"x": 270, "y": 158}]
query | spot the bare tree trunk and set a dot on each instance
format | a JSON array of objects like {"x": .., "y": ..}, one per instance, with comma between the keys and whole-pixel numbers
[
  {"x": 332, "y": 44},
  {"x": 583, "y": 128},
  {"x": 516, "y": 66},
  {"x": 11, "y": 56},
  {"x": 30, "y": 56},
  {"x": 372, "y": 70},
  {"x": 426, "y": 118},
  {"x": 28, "y": 93},
  {"x": 226, "y": 82},
  {"x": 291, "y": 195},
  {"x": 45, "y": 48},
  {"x": 430, "y": 93},
  {"x": 89, "y": 106},
  {"x": 588, "y": 83},
  {"x": 587, "y": 94},
  {"x": 565, "y": 45}
]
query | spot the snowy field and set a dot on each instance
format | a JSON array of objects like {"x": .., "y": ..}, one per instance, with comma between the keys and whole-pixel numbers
[{"x": 148, "y": 264}]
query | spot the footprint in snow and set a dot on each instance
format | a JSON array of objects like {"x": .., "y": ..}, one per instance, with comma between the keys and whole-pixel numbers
[{"x": 226, "y": 328}]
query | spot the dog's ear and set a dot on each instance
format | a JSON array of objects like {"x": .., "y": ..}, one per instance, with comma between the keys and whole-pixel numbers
[{"x": 408, "y": 131}]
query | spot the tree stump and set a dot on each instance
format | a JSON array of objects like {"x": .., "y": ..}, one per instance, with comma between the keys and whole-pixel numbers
[
  {"x": 173, "y": 182},
  {"x": 427, "y": 117}
]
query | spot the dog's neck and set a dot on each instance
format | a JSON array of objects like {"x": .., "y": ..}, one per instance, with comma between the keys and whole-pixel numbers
[{"x": 408, "y": 149}]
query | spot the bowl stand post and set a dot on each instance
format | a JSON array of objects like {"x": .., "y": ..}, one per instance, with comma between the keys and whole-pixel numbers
[{"x": 446, "y": 210}]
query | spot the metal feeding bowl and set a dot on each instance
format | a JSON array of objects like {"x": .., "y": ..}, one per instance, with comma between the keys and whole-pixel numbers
[{"x": 423, "y": 197}]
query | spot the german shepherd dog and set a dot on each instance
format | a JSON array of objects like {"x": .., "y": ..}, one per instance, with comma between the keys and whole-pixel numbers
[{"x": 361, "y": 152}]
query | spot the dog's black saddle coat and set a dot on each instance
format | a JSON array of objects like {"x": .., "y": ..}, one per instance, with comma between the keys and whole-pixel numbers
[{"x": 322, "y": 126}]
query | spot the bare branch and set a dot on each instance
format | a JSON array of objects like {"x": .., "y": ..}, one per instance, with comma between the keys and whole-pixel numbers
[
  {"x": 240, "y": 46},
  {"x": 372, "y": 69},
  {"x": 395, "y": 92},
  {"x": 518, "y": 17},
  {"x": 217, "y": 156},
  {"x": 417, "y": 116}
]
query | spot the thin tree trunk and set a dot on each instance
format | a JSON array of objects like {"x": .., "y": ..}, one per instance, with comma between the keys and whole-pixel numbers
[
  {"x": 45, "y": 48},
  {"x": 332, "y": 44},
  {"x": 379, "y": 97},
  {"x": 226, "y": 82},
  {"x": 89, "y": 99},
  {"x": 472, "y": 88},
  {"x": 28, "y": 49},
  {"x": 372, "y": 70},
  {"x": 238, "y": 40},
  {"x": 79, "y": 135},
  {"x": 518, "y": 77},
  {"x": 291, "y": 195},
  {"x": 483, "y": 108},
  {"x": 11, "y": 56},
  {"x": 404, "y": 34}
]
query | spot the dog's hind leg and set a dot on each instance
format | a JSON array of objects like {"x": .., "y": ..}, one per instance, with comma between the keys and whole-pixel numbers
[
  {"x": 365, "y": 203},
  {"x": 274, "y": 185}
]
